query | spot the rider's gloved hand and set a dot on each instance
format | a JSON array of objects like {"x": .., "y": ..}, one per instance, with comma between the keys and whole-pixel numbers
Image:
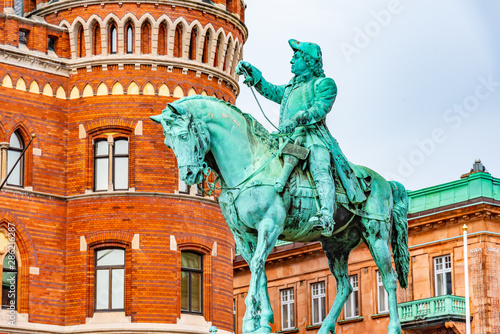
[
  {"x": 287, "y": 126},
  {"x": 252, "y": 74}
]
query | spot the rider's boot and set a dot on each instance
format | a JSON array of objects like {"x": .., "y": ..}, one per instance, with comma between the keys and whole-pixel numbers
[
  {"x": 288, "y": 166},
  {"x": 326, "y": 192}
]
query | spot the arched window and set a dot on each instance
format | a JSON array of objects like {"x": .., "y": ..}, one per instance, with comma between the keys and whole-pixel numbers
[
  {"x": 9, "y": 282},
  {"x": 192, "y": 44},
  {"x": 96, "y": 39},
  {"x": 113, "y": 39},
  {"x": 109, "y": 279},
  {"x": 228, "y": 55},
  {"x": 204, "y": 56},
  {"x": 129, "y": 41},
  {"x": 162, "y": 40},
  {"x": 146, "y": 38},
  {"x": 80, "y": 42},
  {"x": 16, "y": 147},
  {"x": 191, "y": 282},
  {"x": 236, "y": 54},
  {"x": 217, "y": 51},
  {"x": 178, "y": 41}
]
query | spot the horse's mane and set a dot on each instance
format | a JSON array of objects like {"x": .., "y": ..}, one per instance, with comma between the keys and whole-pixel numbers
[{"x": 258, "y": 129}]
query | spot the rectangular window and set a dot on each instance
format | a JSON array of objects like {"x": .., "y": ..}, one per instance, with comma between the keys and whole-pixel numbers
[
  {"x": 120, "y": 156},
  {"x": 318, "y": 303},
  {"x": 52, "y": 44},
  {"x": 183, "y": 187},
  {"x": 442, "y": 274},
  {"x": 110, "y": 279},
  {"x": 23, "y": 37},
  {"x": 111, "y": 155},
  {"x": 383, "y": 299},
  {"x": 351, "y": 308},
  {"x": 101, "y": 165},
  {"x": 287, "y": 309},
  {"x": 191, "y": 282},
  {"x": 234, "y": 315}
]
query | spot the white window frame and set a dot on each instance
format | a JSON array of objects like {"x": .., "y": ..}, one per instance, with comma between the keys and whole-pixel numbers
[
  {"x": 382, "y": 303},
  {"x": 183, "y": 187},
  {"x": 112, "y": 287},
  {"x": 442, "y": 267},
  {"x": 287, "y": 298},
  {"x": 111, "y": 165},
  {"x": 318, "y": 293},
  {"x": 353, "y": 299}
]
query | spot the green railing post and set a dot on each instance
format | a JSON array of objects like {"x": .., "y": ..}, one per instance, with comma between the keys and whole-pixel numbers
[{"x": 448, "y": 303}]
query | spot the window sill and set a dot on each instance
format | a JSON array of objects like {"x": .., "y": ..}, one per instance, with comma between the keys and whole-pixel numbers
[
  {"x": 291, "y": 330},
  {"x": 107, "y": 317},
  {"x": 350, "y": 321},
  {"x": 379, "y": 315},
  {"x": 313, "y": 327}
]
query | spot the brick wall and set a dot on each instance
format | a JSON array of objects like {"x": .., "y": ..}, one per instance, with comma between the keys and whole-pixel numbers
[{"x": 61, "y": 221}]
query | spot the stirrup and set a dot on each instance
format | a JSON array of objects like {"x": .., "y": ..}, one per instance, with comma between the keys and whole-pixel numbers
[
  {"x": 324, "y": 222},
  {"x": 279, "y": 187}
]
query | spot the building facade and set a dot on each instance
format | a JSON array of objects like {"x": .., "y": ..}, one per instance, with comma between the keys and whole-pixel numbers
[
  {"x": 302, "y": 289},
  {"x": 97, "y": 232}
]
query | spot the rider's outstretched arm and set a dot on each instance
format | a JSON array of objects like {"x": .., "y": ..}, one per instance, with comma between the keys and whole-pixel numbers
[
  {"x": 253, "y": 77},
  {"x": 270, "y": 91}
]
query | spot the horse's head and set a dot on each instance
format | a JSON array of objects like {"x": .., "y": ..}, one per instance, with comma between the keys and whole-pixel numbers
[{"x": 189, "y": 138}]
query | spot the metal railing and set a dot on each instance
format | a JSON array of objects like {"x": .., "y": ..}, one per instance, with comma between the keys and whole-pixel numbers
[{"x": 434, "y": 307}]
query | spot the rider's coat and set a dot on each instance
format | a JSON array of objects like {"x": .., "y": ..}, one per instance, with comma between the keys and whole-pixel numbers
[{"x": 307, "y": 100}]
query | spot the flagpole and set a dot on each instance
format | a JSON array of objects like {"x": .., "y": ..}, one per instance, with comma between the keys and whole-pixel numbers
[{"x": 466, "y": 274}]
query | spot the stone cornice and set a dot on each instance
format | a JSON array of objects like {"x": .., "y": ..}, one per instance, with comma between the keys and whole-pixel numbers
[
  {"x": 96, "y": 195},
  {"x": 153, "y": 60},
  {"x": 38, "y": 61},
  {"x": 34, "y": 60},
  {"x": 192, "y": 4},
  {"x": 35, "y": 20}
]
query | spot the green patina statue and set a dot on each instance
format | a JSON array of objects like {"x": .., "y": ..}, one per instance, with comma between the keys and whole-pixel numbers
[
  {"x": 267, "y": 195},
  {"x": 305, "y": 101}
]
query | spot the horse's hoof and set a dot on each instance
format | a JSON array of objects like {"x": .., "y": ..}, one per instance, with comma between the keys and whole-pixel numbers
[
  {"x": 260, "y": 330},
  {"x": 250, "y": 325}
]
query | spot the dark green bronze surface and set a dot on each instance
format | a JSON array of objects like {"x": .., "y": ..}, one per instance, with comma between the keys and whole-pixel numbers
[{"x": 268, "y": 195}]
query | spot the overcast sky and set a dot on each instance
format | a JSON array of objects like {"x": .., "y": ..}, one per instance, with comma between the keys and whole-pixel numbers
[{"x": 418, "y": 81}]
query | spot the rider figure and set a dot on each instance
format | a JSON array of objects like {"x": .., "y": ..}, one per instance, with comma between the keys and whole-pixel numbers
[{"x": 305, "y": 101}]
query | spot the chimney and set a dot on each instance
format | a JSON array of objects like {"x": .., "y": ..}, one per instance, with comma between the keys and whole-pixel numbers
[{"x": 477, "y": 167}]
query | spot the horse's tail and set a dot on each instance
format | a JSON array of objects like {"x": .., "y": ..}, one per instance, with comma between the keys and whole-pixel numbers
[{"x": 399, "y": 239}]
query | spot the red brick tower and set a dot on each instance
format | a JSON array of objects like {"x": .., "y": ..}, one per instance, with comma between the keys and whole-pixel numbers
[{"x": 96, "y": 230}]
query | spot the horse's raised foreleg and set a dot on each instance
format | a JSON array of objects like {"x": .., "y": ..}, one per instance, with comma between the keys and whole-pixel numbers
[
  {"x": 378, "y": 244},
  {"x": 337, "y": 251}
]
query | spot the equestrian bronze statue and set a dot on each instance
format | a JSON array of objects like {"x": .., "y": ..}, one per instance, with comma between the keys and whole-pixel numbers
[{"x": 295, "y": 185}]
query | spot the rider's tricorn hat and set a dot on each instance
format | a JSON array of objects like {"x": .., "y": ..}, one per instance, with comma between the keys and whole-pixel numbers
[{"x": 311, "y": 49}]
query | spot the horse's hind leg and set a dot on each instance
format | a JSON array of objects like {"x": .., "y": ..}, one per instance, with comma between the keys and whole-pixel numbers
[
  {"x": 337, "y": 251},
  {"x": 376, "y": 237}
]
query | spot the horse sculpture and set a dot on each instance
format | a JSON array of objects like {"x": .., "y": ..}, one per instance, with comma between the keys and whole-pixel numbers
[{"x": 205, "y": 132}]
